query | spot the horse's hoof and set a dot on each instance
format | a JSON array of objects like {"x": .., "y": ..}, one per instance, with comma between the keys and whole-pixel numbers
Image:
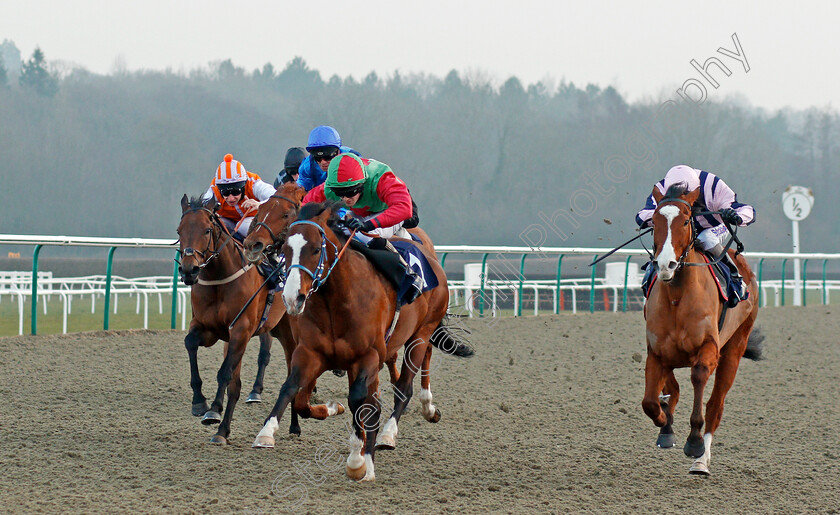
[
  {"x": 253, "y": 397},
  {"x": 210, "y": 418},
  {"x": 334, "y": 408},
  {"x": 699, "y": 469},
  {"x": 694, "y": 449},
  {"x": 294, "y": 430},
  {"x": 665, "y": 441},
  {"x": 218, "y": 440},
  {"x": 356, "y": 474},
  {"x": 199, "y": 408},
  {"x": 339, "y": 373},
  {"x": 263, "y": 442},
  {"x": 385, "y": 443},
  {"x": 436, "y": 417}
]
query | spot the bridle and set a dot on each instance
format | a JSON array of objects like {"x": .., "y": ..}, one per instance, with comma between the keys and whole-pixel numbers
[
  {"x": 732, "y": 230},
  {"x": 189, "y": 251},
  {"x": 275, "y": 240},
  {"x": 321, "y": 273}
]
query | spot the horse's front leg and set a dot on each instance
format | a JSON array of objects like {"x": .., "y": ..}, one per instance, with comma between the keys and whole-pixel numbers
[
  {"x": 365, "y": 406},
  {"x": 655, "y": 375},
  {"x": 196, "y": 338},
  {"x": 727, "y": 367},
  {"x": 304, "y": 369},
  {"x": 262, "y": 362},
  {"x": 668, "y": 401},
  {"x": 704, "y": 365},
  {"x": 229, "y": 381}
]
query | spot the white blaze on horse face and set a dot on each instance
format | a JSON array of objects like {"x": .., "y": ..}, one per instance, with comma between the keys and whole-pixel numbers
[
  {"x": 666, "y": 254},
  {"x": 292, "y": 288}
]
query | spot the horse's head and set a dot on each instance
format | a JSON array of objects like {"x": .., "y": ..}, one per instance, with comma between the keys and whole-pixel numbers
[
  {"x": 673, "y": 231},
  {"x": 311, "y": 250},
  {"x": 268, "y": 230},
  {"x": 196, "y": 232}
]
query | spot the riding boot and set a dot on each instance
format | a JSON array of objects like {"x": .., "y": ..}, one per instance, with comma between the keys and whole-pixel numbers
[
  {"x": 649, "y": 269},
  {"x": 416, "y": 288},
  {"x": 739, "y": 285}
]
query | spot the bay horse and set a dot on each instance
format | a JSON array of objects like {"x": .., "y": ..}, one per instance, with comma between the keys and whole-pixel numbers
[
  {"x": 222, "y": 281},
  {"x": 341, "y": 309},
  {"x": 682, "y": 314},
  {"x": 268, "y": 233}
]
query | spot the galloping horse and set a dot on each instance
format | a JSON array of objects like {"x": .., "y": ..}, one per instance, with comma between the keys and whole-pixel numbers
[
  {"x": 341, "y": 311},
  {"x": 682, "y": 315},
  {"x": 268, "y": 233},
  {"x": 221, "y": 283}
]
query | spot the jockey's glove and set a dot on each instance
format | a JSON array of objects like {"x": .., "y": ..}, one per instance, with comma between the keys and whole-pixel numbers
[
  {"x": 730, "y": 216},
  {"x": 357, "y": 224}
]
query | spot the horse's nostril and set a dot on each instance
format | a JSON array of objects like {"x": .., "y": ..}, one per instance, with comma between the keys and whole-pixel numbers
[{"x": 672, "y": 265}]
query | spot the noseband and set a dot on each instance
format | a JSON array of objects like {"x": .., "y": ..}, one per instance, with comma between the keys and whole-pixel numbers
[
  {"x": 316, "y": 275},
  {"x": 681, "y": 261},
  {"x": 189, "y": 251},
  {"x": 274, "y": 238}
]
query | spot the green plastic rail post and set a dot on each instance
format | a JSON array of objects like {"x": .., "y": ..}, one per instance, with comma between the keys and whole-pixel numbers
[
  {"x": 557, "y": 293},
  {"x": 823, "y": 278},
  {"x": 804, "y": 281},
  {"x": 760, "y": 270},
  {"x": 592, "y": 287},
  {"x": 624, "y": 296},
  {"x": 108, "y": 287},
  {"x": 784, "y": 264},
  {"x": 34, "y": 321},
  {"x": 443, "y": 259},
  {"x": 175, "y": 290},
  {"x": 521, "y": 280},
  {"x": 481, "y": 291}
]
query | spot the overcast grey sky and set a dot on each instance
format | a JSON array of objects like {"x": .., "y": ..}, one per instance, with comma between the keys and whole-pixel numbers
[{"x": 643, "y": 49}]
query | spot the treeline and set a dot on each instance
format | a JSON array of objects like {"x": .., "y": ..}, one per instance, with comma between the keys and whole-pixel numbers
[{"x": 549, "y": 164}]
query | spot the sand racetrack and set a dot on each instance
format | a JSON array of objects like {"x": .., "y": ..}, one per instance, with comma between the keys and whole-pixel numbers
[{"x": 546, "y": 418}]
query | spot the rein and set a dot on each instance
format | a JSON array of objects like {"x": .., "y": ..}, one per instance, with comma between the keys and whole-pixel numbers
[
  {"x": 189, "y": 251},
  {"x": 274, "y": 238},
  {"x": 318, "y": 276},
  {"x": 732, "y": 231}
]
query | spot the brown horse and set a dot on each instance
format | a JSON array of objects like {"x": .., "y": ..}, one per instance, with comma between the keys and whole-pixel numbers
[
  {"x": 268, "y": 233},
  {"x": 222, "y": 281},
  {"x": 341, "y": 310},
  {"x": 682, "y": 314}
]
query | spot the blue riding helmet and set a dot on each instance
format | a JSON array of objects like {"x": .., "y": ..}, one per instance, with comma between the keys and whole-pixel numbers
[{"x": 323, "y": 136}]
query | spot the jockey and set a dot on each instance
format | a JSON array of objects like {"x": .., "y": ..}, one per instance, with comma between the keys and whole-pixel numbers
[
  {"x": 715, "y": 195},
  {"x": 323, "y": 145},
  {"x": 239, "y": 192},
  {"x": 291, "y": 165},
  {"x": 378, "y": 198}
]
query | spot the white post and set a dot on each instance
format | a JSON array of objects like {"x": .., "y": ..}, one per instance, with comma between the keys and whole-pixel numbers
[{"x": 797, "y": 291}]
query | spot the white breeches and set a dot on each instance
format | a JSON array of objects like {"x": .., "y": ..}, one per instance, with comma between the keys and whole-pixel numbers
[
  {"x": 385, "y": 232},
  {"x": 711, "y": 237}
]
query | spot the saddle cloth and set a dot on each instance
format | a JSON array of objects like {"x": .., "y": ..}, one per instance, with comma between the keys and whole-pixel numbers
[{"x": 389, "y": 265}]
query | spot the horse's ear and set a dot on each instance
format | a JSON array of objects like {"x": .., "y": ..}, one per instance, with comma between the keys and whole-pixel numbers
[
  {"x": 657, "y": 195},
  {"x": 299, "y": 193},
  {"x": 212, "y": 204},
  {"x": 185, "y": 203},
  {"x": 692, "y": 196}
]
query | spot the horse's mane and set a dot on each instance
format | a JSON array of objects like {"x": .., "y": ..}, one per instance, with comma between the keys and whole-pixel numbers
[
  {"x": 313, "y": 209},
  {"x": 287, "y": 189},
  {"x": 198, "y": 202},
  {"x": 676, "y": 191}
]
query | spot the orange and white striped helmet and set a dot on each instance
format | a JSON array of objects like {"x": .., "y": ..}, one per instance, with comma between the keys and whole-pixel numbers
[{"x": 230, "y": 171}]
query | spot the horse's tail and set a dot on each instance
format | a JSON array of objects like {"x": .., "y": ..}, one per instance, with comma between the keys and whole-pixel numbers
[
  {"x": 755, "y": 345},
  {"x": 445, "y": 339}
]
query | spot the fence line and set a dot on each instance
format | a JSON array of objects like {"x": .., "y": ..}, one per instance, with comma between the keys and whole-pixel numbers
[{"x": 482, "y": 285}]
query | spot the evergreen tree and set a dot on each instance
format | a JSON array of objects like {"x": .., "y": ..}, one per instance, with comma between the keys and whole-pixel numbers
[
  {"x": 4, "y": 78},
  {"x": 34, "y": 75}
]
